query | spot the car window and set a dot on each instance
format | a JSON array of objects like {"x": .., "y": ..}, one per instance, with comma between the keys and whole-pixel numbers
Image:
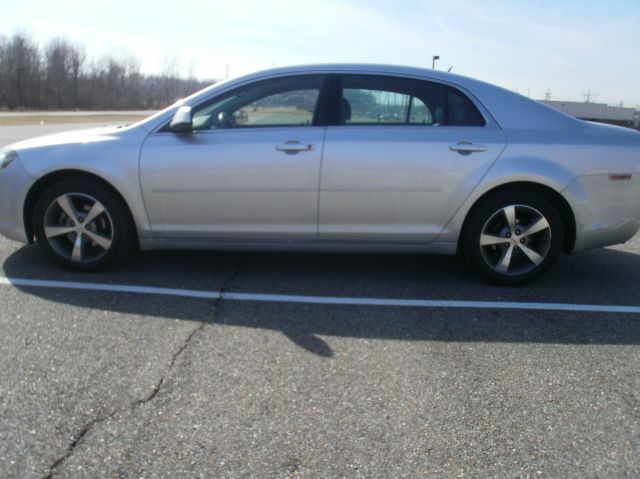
[
  {"x": 461, "y": 111},
  {"x": 383, "y": 106},
  {"x": 399, "y": 101},
  {"x": 280, "y": 102}
]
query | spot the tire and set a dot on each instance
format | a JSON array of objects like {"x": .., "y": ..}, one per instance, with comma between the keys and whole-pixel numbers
[
  {"x": 82, "y": 225},
  {"x": 513, "y": 237}
]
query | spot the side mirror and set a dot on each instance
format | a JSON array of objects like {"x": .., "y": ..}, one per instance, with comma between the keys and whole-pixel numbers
[{"x": 182, "y": 120}]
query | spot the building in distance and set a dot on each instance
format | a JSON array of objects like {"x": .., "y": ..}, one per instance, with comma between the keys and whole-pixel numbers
[{"x": 600, "y": 112}]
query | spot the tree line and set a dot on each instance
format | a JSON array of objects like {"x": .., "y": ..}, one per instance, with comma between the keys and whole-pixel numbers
[{"x": 60, "y": 76}]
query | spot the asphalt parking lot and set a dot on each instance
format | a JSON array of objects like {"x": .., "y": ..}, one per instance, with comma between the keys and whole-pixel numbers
[{"x": 100, "y": 379}]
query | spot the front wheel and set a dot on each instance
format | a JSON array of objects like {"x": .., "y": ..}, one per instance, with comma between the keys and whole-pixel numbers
[
  {"x": 82, "y": 225},
  {"x": 513, "y": 238}
]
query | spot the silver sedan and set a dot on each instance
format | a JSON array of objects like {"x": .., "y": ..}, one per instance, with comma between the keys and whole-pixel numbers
[{"x": 332, "y": 158}]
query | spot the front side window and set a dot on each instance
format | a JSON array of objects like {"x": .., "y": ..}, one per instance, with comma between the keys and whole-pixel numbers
[
  {"x": 271, "y": 103},
  {"x": 368, "y": 100}
]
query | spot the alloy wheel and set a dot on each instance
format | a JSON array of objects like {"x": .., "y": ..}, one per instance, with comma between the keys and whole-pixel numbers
[
  {"x": 78, "y": 228},
  {"x": 515, "y": 240}
]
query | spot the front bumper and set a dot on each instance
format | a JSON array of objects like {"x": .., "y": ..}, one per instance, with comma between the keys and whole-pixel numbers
[{"x": 14, "y": 184}]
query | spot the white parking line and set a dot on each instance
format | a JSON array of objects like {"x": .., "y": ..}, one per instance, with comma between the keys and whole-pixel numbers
[
  {"x": 113, "y": 288},
  {"x": 333, "y": 300}
]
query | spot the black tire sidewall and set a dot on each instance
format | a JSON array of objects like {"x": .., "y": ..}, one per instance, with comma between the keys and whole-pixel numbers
[
  {"x": 481, "y": 214},
  {"x": 122, "y": 229}
]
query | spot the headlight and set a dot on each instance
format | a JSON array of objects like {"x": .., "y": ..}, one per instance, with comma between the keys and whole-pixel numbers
[{"x": 6, "y": 157}]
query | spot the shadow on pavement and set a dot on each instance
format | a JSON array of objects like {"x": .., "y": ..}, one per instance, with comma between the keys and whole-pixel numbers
[{"x": 605, "y": 276}]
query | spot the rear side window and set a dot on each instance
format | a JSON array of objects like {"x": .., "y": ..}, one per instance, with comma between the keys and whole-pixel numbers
[
  {"x": 461, "y": 111},
  {"x": 371, "y": 100}
]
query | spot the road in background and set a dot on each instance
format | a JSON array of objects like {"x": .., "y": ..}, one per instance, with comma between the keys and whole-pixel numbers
[
  {"x": 101, "y": 384},
  {"x": 75, "y": 114}
]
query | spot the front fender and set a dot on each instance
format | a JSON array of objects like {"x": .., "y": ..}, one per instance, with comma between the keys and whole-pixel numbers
[{"x": 111, "y": 157}]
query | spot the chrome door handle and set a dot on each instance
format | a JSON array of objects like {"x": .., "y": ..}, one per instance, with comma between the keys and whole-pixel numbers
[
  {"x": 467, "y": 147},
  {"x": 294, "y": 146}
]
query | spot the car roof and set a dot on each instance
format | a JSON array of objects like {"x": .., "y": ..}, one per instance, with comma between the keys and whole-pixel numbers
[{"x": 363, "y": 67}]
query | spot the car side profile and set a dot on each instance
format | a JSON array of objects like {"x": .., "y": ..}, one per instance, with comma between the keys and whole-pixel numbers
[{"x": 332, "y": 158}]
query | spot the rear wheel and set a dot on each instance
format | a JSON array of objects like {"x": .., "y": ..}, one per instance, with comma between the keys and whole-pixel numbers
[
  {"x": 513, "y": 237},
  {"x": 82, "y": 225}
]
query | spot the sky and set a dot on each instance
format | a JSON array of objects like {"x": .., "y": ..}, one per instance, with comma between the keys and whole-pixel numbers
[{"x": 570, "y": 48}]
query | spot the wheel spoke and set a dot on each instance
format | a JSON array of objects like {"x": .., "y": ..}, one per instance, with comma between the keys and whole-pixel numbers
[
  {"x": 505, "y": 261},
  {"x": 532, "y": 255},
  {"x": 510, "y": 214},
  {"x": 102, "y": 241},
  {"x": 53, "y": 231},
  {"x": 488, "y": 240},
  {"x": 96, "y": 210},
  {"x": 76, "y": 254},
  {"x": 67, "y": 206},
  {"x": 540, "y": 225}
]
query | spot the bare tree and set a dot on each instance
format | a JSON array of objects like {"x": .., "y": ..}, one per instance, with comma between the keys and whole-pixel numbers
[
  {"x": 170, "y": 80},
  {"x": 4, "y": 72},
  {"x": 78, "y": 57},
  {"x": 61, "y": 76},
  {"x": 58, "y": 73},
  {"x": 20, "y": 71}
]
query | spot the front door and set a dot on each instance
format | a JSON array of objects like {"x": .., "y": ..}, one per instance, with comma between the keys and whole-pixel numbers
[{"x": 249, "y": 169}]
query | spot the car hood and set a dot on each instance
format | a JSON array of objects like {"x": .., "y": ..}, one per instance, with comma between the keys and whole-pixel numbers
[{"x": 86, "y": 136}]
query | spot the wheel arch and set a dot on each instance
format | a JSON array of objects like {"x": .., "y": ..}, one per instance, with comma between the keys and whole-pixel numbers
[
  {"x": 68, "y": 174},
  {"x": 551, "y": 195}
]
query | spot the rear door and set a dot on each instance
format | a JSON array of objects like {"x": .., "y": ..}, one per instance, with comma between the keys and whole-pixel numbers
[{"x": 403, "y": 156}]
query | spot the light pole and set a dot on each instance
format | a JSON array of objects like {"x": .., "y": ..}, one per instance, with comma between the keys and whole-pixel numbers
[{"x": 433, "y": 62}]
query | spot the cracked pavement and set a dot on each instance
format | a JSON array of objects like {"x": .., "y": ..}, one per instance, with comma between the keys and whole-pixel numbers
[
  {"x": 98, "y": 384},
  {"x": 60, "y": 463}
]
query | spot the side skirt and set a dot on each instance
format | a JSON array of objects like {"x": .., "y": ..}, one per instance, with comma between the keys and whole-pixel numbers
[{"x": 438, "y": 247}]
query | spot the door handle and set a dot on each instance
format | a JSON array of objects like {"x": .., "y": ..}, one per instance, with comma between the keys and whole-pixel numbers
[
  {"x": 294, "y": 146},
  {"x": 466, "y": 147}
]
